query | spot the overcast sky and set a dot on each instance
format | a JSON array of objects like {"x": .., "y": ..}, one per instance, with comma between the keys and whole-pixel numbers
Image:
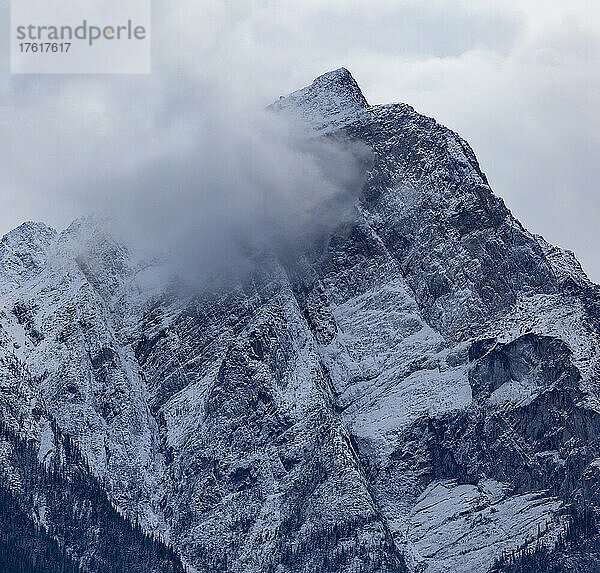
[{"x": 519, "y": 80}]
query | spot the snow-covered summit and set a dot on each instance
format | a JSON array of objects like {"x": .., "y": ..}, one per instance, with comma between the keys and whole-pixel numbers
[
  {"x": 331, "y": 100},
  {"x": 24, "y": 252},
  {"x": 29, "y": 234}
]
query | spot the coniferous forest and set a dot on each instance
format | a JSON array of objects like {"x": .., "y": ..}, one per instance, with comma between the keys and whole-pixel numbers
[
  {"x": 576, "y": 549},
  {"x": 56, "y": 518}
]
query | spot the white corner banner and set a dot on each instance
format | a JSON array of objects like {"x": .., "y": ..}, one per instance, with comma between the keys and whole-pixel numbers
[{"x": 80, "y": 37}]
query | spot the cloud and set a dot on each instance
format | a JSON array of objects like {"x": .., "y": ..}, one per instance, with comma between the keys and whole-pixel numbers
[
  {"x": 242, "y": 184},
  {"x": 204, "y": 177}
]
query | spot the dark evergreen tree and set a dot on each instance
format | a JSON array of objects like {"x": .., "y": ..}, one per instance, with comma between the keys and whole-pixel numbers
[
  {"x": 575, "y": 550},
  {"x": 58, "y": 518}
]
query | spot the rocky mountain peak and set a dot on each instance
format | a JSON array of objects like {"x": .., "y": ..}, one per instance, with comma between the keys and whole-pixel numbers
[
  {"x": 341, "y": 82},
  {"x": 331, "y": 100},
  {"x": 24, "y": 252},
  {"x": 29, "y": 234}
]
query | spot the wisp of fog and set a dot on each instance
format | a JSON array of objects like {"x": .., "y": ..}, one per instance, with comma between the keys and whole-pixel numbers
[{"x": 243, "y": 183}]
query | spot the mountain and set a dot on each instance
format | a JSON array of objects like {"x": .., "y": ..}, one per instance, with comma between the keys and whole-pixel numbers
[{"x": 419, "y": 392}]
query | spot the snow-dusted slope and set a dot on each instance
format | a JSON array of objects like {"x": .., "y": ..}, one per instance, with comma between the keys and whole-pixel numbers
[
  {"x": 420, "y": 393},
  {"x": 331, "y": 101}
]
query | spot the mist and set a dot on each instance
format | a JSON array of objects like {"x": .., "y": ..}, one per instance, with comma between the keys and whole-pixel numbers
[{"x": 243, "y": 183}]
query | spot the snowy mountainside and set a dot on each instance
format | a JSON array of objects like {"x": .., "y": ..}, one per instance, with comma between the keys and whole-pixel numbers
[{"x": 421, "y": 393}]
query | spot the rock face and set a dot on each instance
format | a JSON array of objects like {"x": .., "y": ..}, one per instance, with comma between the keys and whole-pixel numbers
[{"x": 420, "y": 393}]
